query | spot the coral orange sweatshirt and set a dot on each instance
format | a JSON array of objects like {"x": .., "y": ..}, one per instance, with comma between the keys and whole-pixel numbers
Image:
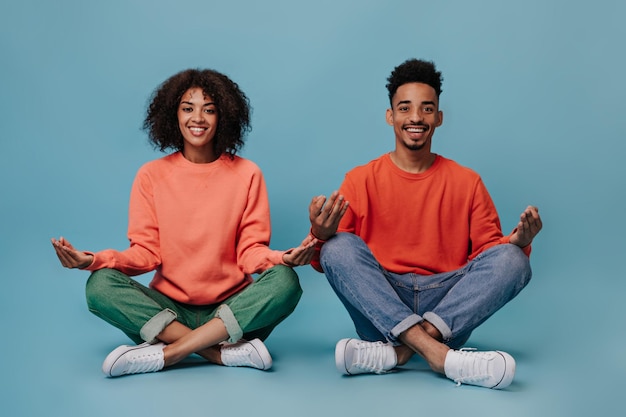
[
  {"x": 424, "y": 223},
  {"x": 205, "y": 228}
]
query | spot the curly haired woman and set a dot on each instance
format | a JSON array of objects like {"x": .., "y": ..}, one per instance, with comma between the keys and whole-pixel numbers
[{"x": 199, "y": 217}]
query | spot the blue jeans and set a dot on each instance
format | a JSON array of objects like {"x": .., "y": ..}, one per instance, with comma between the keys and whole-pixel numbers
[{"x": 383, "y": 304}]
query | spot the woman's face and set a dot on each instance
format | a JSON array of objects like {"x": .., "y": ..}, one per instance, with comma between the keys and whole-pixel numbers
[{"x": 197, "y": 120}]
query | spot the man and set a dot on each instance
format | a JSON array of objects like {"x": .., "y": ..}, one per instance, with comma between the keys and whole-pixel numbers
[{"x": 412, "y": 246}]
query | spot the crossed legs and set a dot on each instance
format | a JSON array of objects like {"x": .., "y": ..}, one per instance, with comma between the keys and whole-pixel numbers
[{"x": 427, "y": 315}]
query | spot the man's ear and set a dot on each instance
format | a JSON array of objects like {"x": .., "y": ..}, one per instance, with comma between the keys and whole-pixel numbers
[
  {"x": 440, "y": 118},
  {"x": 389, "y": 117}
]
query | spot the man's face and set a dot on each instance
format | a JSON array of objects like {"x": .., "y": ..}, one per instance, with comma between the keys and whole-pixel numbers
[{"x": 414, "y": 115}]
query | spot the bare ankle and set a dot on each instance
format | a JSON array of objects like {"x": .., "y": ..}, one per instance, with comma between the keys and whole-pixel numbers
[
  {"x": 432, "y": 331},
  {"x": 403, "y": 354}
]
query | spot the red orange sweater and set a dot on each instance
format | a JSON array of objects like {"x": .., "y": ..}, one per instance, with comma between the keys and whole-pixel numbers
[
  {"x": 424, "y": 223},
  {"x": 204, "y": 228}
]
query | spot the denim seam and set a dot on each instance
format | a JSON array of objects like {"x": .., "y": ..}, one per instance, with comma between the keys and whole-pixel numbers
[
  {"x": 377, "y": 324},
  {"x": 390, "y": 335}
]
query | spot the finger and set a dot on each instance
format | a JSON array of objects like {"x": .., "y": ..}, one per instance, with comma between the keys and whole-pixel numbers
[
  {"x": 309, "y": 240},
  {"x": 316, "y": 205},
  {"x": 330, "y": 204},
  {"x": 68, "y": 259},
  {"x": 303, "y": 257},
  {"x": 65, "y": 261},
  {"x": 339, "y": 203},
  {"x": 341, "y": 211},
  {"x": 335, "y": 212}
]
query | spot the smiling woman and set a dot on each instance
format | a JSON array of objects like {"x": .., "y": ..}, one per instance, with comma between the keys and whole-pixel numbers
[
  {"x": 199, "y": 218},
  {"x": 197, "y": 121},
  {"x": 230, "y": 103}
]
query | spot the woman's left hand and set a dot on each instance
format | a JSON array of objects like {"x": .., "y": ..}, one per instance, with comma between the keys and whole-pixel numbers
[{"x": 301, "y": 255}]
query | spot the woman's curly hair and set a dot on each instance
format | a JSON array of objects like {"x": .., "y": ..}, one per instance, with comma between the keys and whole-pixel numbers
[
  {"x": 233, "y": 111},
  {"x": 414, "y": 71}
]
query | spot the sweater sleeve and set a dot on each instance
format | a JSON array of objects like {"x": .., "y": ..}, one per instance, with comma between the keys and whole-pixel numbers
[
  {"x": 485, "y": 229},
  {"x": 253, "y": 252},
  {"x": 143, "y": 233}
]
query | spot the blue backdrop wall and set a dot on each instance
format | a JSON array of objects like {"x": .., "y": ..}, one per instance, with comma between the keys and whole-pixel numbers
[{"x": 533, "y": 100}]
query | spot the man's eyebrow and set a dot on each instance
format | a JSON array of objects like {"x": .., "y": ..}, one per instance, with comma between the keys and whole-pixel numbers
[{"x": 432, "y": 103}]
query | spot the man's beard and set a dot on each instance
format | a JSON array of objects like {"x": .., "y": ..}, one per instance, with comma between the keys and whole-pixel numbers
[{"x": 414, "y": 147}]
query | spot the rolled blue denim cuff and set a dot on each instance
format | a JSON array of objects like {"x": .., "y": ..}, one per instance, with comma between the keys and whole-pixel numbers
[
  {"x": 435, "y": 320},
  {"x": 403, "y": 326},
  {"x": 156, "y": 324},
  {"x": 230, "y": 322}
]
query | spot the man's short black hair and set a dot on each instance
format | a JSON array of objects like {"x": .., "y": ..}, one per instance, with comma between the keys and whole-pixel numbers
[{"x": 414, "y": 71}]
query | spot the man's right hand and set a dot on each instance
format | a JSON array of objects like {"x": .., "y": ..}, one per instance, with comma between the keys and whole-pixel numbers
[{"x": 325, "y": 215}]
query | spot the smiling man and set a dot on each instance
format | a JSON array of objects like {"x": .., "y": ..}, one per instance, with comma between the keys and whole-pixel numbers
[{"x": 412, "y": 246}]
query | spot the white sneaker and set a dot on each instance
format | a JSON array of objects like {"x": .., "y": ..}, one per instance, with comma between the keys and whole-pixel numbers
[
  {"x": 126, "y": 360},
  {"x": 353, "y": 356},
  {"x": 253, "y": 354},
  {"x": 494, "y": 369}
]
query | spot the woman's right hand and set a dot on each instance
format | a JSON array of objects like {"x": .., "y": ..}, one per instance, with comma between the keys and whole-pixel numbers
[{"x": 70, "y": 257}]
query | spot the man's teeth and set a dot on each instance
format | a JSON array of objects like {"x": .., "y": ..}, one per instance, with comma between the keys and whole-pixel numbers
[{"x": 416, "y": 129}]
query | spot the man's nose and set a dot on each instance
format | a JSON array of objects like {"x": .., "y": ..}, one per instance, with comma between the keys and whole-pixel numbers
[{"x": 416, "y": 116}]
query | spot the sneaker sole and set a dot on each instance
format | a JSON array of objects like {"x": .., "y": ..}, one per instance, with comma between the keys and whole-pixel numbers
[
  {"x": 340, "y": 356},
  {"x": 261, "y": 349},
  {"x": 509, "y": 371}
]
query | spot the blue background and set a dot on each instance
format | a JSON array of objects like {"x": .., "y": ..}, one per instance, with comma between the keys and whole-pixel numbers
[{"x": 533, "y": 100}]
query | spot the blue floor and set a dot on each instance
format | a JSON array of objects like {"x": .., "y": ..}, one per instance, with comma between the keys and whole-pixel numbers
[{"x": 569, "y": 364}]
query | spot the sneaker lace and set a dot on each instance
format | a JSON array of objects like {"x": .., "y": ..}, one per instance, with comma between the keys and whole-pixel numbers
[
  {"x": 370, "y": 357},
  {"x": 240, "y": 355},
  {"x": 143, "y": 362},
  {"x": 473, "y": 366}
]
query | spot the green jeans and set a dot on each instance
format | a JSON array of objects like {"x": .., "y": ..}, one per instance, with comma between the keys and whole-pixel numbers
[{"x": 142, "y": 313}]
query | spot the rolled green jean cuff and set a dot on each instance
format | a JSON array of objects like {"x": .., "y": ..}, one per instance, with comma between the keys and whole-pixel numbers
[
  {"x": 230, "y": 322},
  {"x": 156, "y": 324}
]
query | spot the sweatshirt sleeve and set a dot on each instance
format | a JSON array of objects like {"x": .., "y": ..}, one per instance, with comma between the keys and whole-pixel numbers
[
  {"x": 143, "y": 233},
  {"x": 485, "y": 229},
  {"x": 253, "y": 252}
]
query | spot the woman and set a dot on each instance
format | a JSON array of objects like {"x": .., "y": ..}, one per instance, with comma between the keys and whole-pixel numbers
[{"x": 198, "y": 217}]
